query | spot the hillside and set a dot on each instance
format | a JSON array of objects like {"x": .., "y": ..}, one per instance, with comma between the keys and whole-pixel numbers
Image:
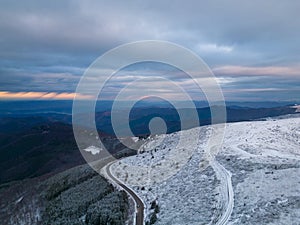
[
  {"x": 41, "y": 147},
  {"x": 77, "y": 196},
  {"x": 259, "y": 162}
]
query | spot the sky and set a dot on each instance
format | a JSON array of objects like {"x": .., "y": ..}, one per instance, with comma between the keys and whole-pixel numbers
[{"x": 252, "y": 47}]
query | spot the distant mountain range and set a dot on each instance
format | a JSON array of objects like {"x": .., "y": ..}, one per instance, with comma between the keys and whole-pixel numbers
[
  {"x": 37, "y": 143},
  {"x": 23, "y": 108},
  {"x": 32, "y": 113}
]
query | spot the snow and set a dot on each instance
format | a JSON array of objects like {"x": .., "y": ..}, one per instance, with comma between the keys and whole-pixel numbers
[
  {"x": 93, "y": 150},
  {"x": 169, "y": 173},
  {"x": 19, "y": 200},
  {"x": 280, "y": 138},
  {"x": 297, "y": 107},
  {"x": 135, "y": 139}
]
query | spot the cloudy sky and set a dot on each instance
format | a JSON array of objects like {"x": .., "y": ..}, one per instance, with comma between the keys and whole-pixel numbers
[{"x": 253, "y": 47}]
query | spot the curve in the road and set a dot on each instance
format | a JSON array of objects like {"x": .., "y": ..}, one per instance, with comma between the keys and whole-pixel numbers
[
  {"x": 227, "y": 191},
  {"x": 139, "y": 203}
]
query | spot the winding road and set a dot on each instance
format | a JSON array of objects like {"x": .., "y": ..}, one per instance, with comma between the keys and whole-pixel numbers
[
  {"x": 139, "y": 219},
  {"x": 227, "y": 191}
]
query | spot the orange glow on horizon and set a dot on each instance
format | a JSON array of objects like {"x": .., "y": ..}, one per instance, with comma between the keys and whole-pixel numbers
[{"x": 41, "y": 95}]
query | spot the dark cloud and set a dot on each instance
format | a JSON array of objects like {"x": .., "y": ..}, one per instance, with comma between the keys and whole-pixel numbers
[{"x": 46, "y": 46}]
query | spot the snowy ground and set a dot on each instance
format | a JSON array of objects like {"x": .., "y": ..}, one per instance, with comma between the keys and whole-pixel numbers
[
  {"x": 262, "y": 156},
  {"x": 297, "y": 107}
]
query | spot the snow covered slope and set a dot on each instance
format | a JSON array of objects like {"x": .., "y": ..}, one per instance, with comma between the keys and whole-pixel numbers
[{"x": 261, "y": 159}]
